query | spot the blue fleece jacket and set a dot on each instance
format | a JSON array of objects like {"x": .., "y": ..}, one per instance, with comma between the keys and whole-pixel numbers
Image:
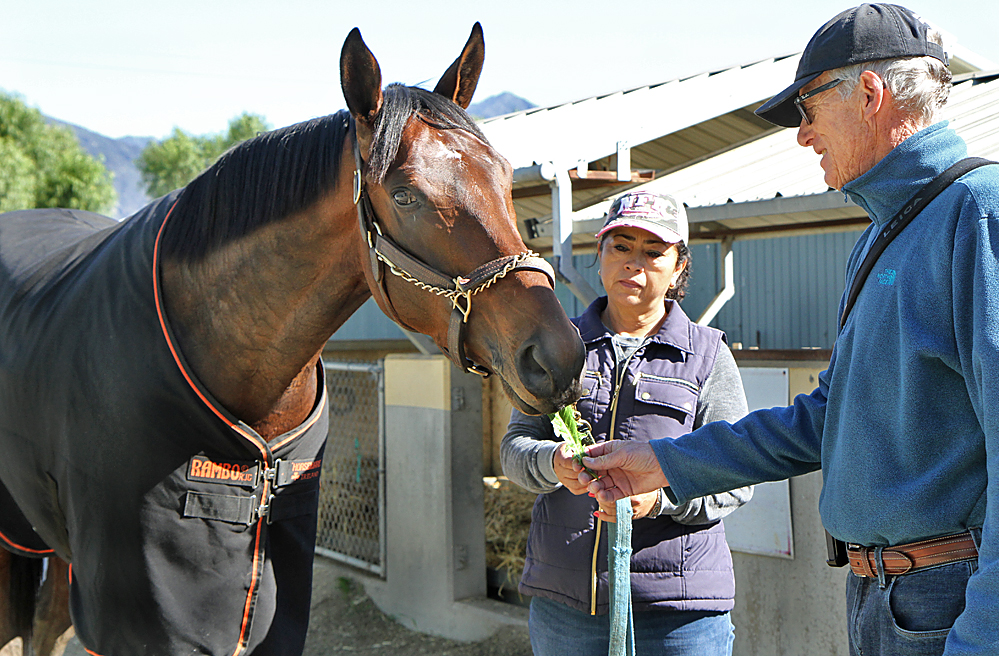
[{"x": 905, "y": 421}]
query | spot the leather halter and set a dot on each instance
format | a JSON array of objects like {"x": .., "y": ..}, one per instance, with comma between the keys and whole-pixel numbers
[{"x": 459, "y": 290}]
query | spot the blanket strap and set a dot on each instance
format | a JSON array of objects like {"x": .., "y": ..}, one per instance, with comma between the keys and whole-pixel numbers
[{"x": 246, "y": 510}]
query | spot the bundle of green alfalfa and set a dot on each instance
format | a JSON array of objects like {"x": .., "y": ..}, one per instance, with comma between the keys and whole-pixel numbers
[{"x": 508, "y": 520}]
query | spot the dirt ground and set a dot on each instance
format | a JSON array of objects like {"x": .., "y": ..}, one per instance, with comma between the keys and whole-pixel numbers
[{"x": 345, "y": 621}]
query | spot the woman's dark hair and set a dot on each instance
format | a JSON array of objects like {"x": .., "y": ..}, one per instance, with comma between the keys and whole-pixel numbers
[{"x": 679, "y": 291}]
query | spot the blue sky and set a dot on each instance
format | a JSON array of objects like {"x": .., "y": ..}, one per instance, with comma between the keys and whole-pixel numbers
[{"x": 140, "y": 68}]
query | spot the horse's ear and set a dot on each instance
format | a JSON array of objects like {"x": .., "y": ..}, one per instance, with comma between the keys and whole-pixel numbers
[
  {"x": 459, "y": 81},
  {"x": 361, "y": 79}
]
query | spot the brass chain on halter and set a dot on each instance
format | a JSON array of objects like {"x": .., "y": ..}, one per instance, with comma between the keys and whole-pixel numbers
[{"x": 460, "y": 292}]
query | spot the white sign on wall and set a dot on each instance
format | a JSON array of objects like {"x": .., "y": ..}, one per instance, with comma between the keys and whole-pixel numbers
[{"x": 763, "y": 526}]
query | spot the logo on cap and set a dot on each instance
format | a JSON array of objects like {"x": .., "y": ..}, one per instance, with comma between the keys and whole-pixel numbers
[{"x": 645, "y": 205}]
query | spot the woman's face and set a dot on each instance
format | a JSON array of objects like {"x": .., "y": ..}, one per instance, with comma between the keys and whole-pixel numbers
[{"x": 637, "y": 268}]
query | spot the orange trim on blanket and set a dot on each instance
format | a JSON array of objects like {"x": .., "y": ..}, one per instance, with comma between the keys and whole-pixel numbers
[
  {"x": 244, "y": 633},
  {"x": 256, "y": 440},
  {"x": 25, "y": 549},
  {"x": 244, "y": 628},
  {"x": 173, "y": 350},
  {"x": 176, "y": 358}
]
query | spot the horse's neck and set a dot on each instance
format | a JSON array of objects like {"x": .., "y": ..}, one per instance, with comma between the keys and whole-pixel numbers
[{"x": 252, "y": 318}]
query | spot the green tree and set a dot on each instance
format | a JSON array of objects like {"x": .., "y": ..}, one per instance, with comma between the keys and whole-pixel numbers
[
  {"x": 43, "y": 165},
  {"x": 172, "y": 163}
]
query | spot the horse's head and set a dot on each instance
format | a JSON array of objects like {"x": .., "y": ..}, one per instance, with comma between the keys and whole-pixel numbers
[{"x": 441, "y": 249}]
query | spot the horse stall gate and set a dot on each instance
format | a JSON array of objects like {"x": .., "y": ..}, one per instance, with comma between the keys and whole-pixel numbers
[{"x": 352, "y": 493}]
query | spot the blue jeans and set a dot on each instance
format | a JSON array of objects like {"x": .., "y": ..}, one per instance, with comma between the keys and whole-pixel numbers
[
  {"x": 557, "y": 630},
  {"x": 911, "y": 615}
]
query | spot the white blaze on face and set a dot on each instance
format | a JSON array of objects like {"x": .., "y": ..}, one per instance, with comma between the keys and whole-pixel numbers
[
  {"x": 444, "y": 152},
  {"x": 450, "y": 171},
  {"x": 444, "y": 169}
]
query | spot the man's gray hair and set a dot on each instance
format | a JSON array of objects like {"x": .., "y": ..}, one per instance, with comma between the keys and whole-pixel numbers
[{"x": 919, "y": 85}]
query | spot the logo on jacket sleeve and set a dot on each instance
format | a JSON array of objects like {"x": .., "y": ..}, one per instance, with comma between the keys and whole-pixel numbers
[{"x": 887, "y": 278}]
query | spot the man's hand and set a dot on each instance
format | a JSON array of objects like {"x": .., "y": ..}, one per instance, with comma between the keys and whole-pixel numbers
[{"x": 625, "y": 468}]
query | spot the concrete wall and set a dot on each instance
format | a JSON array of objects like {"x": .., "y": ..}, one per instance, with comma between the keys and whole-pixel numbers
[
  {"x": 435, "y": 567},
  {"x": 798, "y": 606},
  {"x": 792, "y": 607}
]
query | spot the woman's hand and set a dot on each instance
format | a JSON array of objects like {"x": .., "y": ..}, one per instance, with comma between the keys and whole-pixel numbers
[
  {"x": 641, "y": 506},
  {"x": 565, "y": 472}
]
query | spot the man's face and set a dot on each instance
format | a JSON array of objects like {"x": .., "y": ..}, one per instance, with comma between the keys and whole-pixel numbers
[{"x": 837, "y": 132}]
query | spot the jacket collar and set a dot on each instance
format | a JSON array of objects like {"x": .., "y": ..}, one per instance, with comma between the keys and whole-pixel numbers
[
  {"x": 675, "y": 331},
  {"x": 883, "y": 190}
]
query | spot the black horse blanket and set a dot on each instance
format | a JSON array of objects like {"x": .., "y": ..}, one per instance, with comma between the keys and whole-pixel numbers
[{"x": 187, "y": 532}]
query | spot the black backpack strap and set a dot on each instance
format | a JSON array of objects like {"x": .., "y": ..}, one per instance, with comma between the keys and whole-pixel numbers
[{"x": 902, "y": 219}]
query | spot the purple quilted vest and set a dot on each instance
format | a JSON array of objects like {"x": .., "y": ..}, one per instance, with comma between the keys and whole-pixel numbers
[{"x": 673, "y": 566}]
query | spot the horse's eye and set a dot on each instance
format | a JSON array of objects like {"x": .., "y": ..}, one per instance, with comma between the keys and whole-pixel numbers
[{"x": 403, "y": 197}]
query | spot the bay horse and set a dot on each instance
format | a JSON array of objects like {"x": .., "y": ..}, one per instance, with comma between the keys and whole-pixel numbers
[{"x": 162, "y": 401}]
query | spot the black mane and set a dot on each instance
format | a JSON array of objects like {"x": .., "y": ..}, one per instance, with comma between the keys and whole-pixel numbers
[{"x": 284, "y": 171}]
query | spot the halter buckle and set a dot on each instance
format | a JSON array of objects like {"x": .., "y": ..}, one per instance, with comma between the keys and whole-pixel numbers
[
  {"x": 476, "y": 369},
  {"x": 357, "y": 185}
]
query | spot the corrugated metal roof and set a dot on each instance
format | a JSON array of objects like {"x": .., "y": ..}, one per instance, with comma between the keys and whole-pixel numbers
[
  {"x": 591, "y": 129},
  {"x": 771, "y": 183},
  {"x": 667, "y": 126},
  {"x": 775, "y": 165}
]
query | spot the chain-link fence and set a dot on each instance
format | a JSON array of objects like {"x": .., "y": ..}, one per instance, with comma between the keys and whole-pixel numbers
[{"x": 352, "y": 496}]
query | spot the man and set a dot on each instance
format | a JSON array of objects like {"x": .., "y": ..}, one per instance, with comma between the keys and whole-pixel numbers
[{"x": 905, "y": 422}]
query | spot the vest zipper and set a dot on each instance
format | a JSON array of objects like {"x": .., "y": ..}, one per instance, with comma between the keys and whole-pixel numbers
[{"x": 623, "y": 368}]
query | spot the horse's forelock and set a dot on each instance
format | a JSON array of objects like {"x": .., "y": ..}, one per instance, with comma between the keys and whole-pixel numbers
[{"x": 399, "y": 105}]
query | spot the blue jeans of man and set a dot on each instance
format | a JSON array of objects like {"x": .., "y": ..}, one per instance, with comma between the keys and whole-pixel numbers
[
  {"x": 557, "y": 630},
  {"x": 907, "y": 615}
]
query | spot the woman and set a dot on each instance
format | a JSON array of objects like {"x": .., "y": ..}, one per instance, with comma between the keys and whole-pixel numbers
[{"x": 650, "y": 373}]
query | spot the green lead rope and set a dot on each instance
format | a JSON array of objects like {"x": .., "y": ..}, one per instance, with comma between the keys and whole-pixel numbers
[
  {"x": 622, "y": 625},
  {"x": 575, "y": 432}
]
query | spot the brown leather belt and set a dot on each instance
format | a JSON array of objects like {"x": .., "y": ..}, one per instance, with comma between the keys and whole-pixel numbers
[{"x": 908, "y": 558}]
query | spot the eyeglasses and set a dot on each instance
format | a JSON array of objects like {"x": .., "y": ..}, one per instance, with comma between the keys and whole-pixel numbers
[{"x": 799, "y": 101}]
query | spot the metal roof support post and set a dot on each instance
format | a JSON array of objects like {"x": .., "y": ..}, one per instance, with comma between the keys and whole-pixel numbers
[
  {"x": 728, "y": 284},
  {"x": 623, "y": 161},
  {"x": 561, "y": 187}
]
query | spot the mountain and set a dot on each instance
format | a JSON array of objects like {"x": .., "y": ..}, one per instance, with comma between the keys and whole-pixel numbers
[
  {"x": 119, "y": 157},
  {"x": 503, "y": 103}
]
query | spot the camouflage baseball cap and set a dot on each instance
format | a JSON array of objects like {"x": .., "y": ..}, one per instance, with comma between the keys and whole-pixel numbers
[{"x": 660, "y": 214}]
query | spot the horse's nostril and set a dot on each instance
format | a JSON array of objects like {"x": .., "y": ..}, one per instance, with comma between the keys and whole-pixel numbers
[{"x": 534, "y": 373}]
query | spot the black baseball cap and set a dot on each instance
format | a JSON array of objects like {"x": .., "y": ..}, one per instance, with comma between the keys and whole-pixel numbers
[{"x": 862, "y": 34}]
